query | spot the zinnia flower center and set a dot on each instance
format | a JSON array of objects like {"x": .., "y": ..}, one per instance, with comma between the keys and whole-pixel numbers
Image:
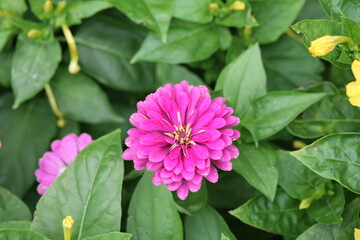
[{"x": 181, "y": 135}]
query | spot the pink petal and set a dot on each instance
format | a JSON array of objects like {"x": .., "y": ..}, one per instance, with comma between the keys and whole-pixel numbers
[
  {"x": 66, "y": 149},
  {"x": 128, "y": 154},
  {"x": 200, "y": 151},
  {"x": 183, "y": 191},
  {"x": 83, "y": 141},
  {"x": 51, "y": 163},
  {"x": 169, "y": 163},
  {"x": 212, "y": 176},
  {"x": 218, "y": 144},
  {"x": 158, "y": 154}
]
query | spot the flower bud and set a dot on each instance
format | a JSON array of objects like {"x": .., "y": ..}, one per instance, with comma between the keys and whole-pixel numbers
[
  {"x": 34, "y": 33},
  {"x": 48, "y": 6},
  {"x": 213, "y": 6},
  {"x": 237, "y": 5},
  {"x": 68, "y": 224},
  {"x": 325, "y": 44},
  {"x": 61, "y": 6}
]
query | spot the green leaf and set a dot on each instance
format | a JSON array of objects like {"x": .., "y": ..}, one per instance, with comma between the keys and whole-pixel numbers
[
  {"x": 257, "y": 166},
  {"x": 5, "y": 70},
  {"x": 351, "y": 29},
  {"x": 207, "y": 224},
  {"x": 5, "y": 35},
  {"x": 15, "y": 7},
  {"x": 313, "y": 29},
  {"x": 341, "y": 8},
  {"x": 193, "y": 11},
  {"x": 297, "y": 180},
  {"x": 15, "y": 225},
  {"x": 331, "y": 232},
  {"x": 333, "y": 114},
  {"x": 152, "y": 212},
  {"x": 81, "y": 99},
  {"x": 328, "y": 209},
  {"x": 187, "y": 42},
  {"x": 20, "y": 234},
  {"x": 169, "y": 73},
  {"x": 274, "y": 16},
  {"x": 111, "y": 236},
  {"x": 334, "y": 157},
  {"x": 282, "y": 60},
  {"x": 98, "y": 39},
  {"x": 25, "y": 136},
  {"x": 12, "y": 208},
  {"x": 282, "y": 216},
  {"x": 275, "y": 110},
  {"x": 154, "y": 14},
  {"x": 195, "y": 201},
  {"x": 243, "y": 80},
  {"x": 89, "y": 190},
  {"x": 77, "y": 10},
  {"x": 34, "y": 63}
]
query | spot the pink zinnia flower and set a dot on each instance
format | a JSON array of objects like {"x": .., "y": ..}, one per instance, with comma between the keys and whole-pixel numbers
[
  {"x": 63, "y": 152},
  {"x": 182, "y": 134}
]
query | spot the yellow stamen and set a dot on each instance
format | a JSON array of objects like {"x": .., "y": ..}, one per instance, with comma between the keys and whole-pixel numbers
[
  {"x": 68, "y": 224},
  {"x": 213, "y": 6},
  {"x": 34, "y": 33},
  {"x": 48, "y": 6},
  {"x": 325, "y": 44},
  {"x": 74, "y": 57},
  {"x": 237, "y": 5},
  {"x": 49, "y": 93}
]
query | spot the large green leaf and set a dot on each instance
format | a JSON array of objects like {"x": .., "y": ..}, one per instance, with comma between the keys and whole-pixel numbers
[
  {"x": 155, "y": 14},
  {"x": 187, "y": 42},
  {"x": 20, "y": 234},
  {"x": 89, "y": 190},
  {"x": 169, "y": 73},
  {"x": 275, "y": 110},
  {"x": 81, "y": 99},
  {"x": 77, "y": 10},
  {"x": 342, "y": 8},
  {"x": 194, "y": 202},
  {"x": 12, "y": 208},
  {"x": 111, "y": 236},
  {"x": 297, "y": 180},
  {"x": 207, "y": 224},
  {"x": 332, "y": 231},
  {"x": 15, "y": 7},
  {"x": 282, "y": 216},
  {"x": 193, "y": 11},
  {"x": 257, "y": 166},
  {"x": 351, "y": 29},
  {"x": 334, "y": 157},
  {"x": 34, "y": 63},
  {"x": 25, "y": 136},
  {"x": 152, "y": 213},
  {"x": 274, "y": 16},
  {"x": 282, "y": 60},
  {"x": 243, "y": 80},
  {"x": 15, "y": 225},
  {"x": 333, "y": 114},
  {"x": 106, "y": 58},
  {"x": 313, "y": 29}
]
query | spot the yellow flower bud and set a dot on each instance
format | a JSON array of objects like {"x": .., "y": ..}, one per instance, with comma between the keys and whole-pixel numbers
[
  {"x": 355, "y": 68},
  {"x": 356, "y": 234},
  {"x": 68, "y": 224},
  {"x": 34, "y": 33},
  {"x": 48, "y": 6},
  {"x": 353, "y": 92},
  {"x": 237, "y": 5},
  {"x": 325, "y": 44},
  {"x": 297, "y": 144},
  {"x": 213, "y": 6},
  {"x": 305, "y": 203},
  {"x": 61, "y": 6}
]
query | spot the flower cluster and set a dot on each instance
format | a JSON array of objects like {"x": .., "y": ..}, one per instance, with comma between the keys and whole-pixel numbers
[
  {"x": 63, "y": 152},
  {"x": 181, "y": 134}
]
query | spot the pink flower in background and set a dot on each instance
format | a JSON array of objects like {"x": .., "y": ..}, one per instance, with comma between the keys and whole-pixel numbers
[
  {"x": 182, "y": 134},
  {"x": 63, "y": 152}
]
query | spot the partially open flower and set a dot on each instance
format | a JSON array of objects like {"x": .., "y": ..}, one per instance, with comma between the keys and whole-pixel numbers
[
  {"x": 182, "y": 134},
  {"x": 355, "y": 68},
  {"x": 63, "y": 152},
  {"x": 325, "y": 44},
  {"x": 353, "y": 92}
]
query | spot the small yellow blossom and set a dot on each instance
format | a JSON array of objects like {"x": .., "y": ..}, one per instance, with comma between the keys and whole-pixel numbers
[
  {"x": 34, "y": 33},
  {"x": 48, "y": 6},
  {"x": 213, "y": 6},
  {"x": 68, "y": 224},
  {"x": 355, "y": 68},
  {"x": 305, "y": 203},
  {"x": 237, "y": 5},
  {"x": 325, "y": 44},
  {"x": 353, "y": 92},
  {"x": 356, "y": 234}
]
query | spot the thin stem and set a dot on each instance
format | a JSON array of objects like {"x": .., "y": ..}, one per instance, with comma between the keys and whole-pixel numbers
[
  {"x": 50, "y": 95},
  {"x": 293, "y": 35}
]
